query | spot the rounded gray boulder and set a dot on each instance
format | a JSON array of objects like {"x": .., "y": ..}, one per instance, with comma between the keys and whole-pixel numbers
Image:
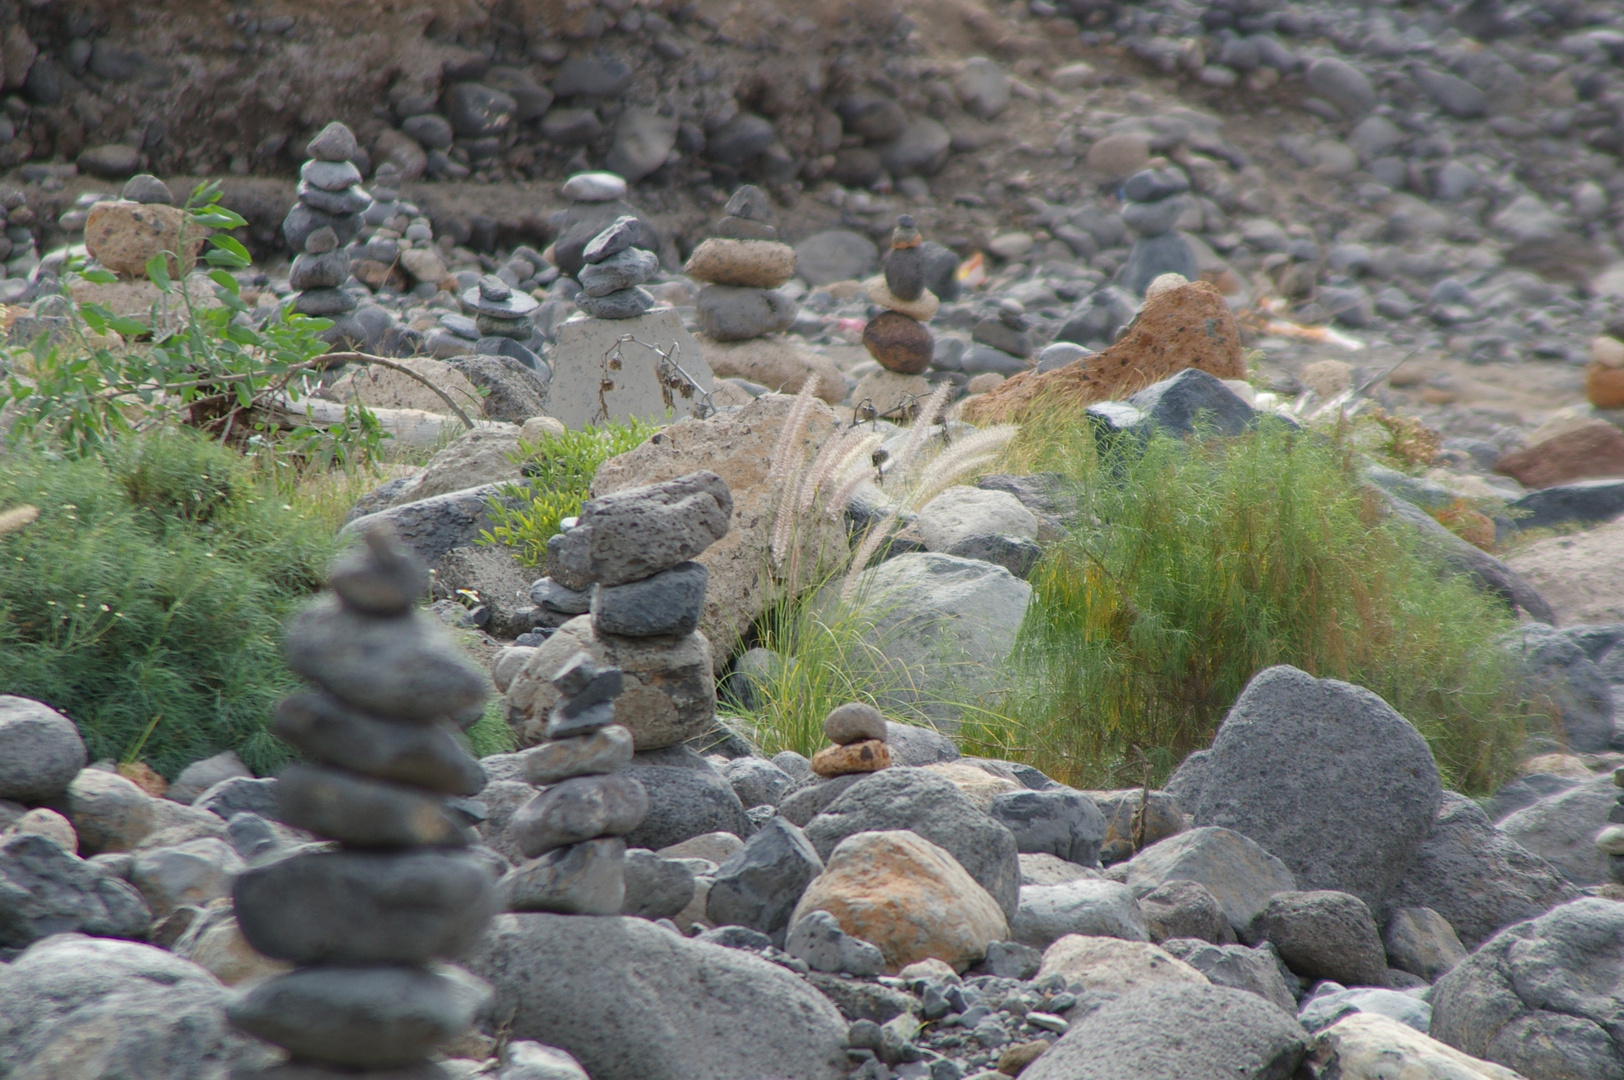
[{"x": 40, "y": 750}]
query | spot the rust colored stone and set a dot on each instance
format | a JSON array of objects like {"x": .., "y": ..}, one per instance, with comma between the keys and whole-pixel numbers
[
  {"x": 1587, "y": 451},
  {"x": 1604, "y": 386},
  {"x": 124, "y": 236},
  {"x": 1186, "y": 327},
  {"x": 899, "y": 343},
  {"x": 870, "y": 755}
]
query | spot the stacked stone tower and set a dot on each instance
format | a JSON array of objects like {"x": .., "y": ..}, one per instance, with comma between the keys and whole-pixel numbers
[
  {"x": 326, "y": 217},
  {"x": 369, "y": 924},
  {"x": 741, "y": 266},
  {"x": 897, "y": 338}
]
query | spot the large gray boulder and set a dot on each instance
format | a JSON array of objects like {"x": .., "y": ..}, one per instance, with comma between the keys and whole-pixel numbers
[
  {"x": 40, "y": 750},
  {"x": 630, "y": 1000},
  {"x": 1183, "y": 1030},
  {"x": 1255, "y": 970},
  {"x": 1544, "y": 997},
  {"x": 1561, "y": 829},
  {"x": 1059, "y": 822},
  {"x": 432, "y": 527},
  {"x": 45, "y": 890},
  {"x": 1232, "y": 867},
  {"x": 687, "y": 797},
  {"x": 1476, "y": 876},
  {"x": 1090, "y": 907},
  {"x": 946, "y": 626},
  {"x": 759, "y": 885},
  {"x": 933, "y": 807},
  {"x": 1327, "y": 777},
  {"x": 98, "y": 1009}
]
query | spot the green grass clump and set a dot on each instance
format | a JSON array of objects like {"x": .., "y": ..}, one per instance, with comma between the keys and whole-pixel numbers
[
  {"x": 559, "y": 469},
  {"x": 146, "y": 602},
  {"x": 1193, "y": 566}
]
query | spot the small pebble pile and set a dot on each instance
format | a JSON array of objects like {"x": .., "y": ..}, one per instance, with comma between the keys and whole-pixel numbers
[
  {"x": 396, "y": 247},
  {"x": 1151, "y": 205},
  {"x": 615, "y": 270},
  {"x": 741, "y": 265},
  {"x": 897, "y": 338},
  {"x": 326, "y": 217},
  {"x": 499, "y": 310},
  {"x": 858, "y": 731},
  {"x": 365, "y": 924},
  {"x": 574, "y": 829}
]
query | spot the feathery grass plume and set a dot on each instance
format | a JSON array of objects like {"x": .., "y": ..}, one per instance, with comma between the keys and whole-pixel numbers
[
  {"x": 787, "y": 460},
  {"x": 17, "y": 517},
  {"x": 929, "y": 410},
  {"x": 959, "y": 460},
  {"x": 855, "y": 467}
]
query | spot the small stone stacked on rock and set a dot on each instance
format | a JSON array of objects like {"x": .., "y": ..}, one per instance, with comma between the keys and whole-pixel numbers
[
  {"x": 574, "y": 829},
  {"x": 858, "y": 731},
  {"x": 326, "y": 217},
  {"x": 1152, "y": 203},
  {"x": 499, "y": 310},
  {"x": 1610, "y": 841},
  {"x": 363, "y": 923},
  {"x": 897, "y": 338},
  {"x": 741, "y": 266},
  {"x": 614, "y": 270}
]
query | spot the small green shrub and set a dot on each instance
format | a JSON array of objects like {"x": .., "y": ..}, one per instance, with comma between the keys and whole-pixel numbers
[
  {"x": 1193, "y": 565},
  {"x": 146, "y": 601},
  {"x": 559, "y": 469}
]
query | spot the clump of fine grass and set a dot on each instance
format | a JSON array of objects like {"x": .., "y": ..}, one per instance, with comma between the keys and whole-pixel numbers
[
  {"x": 1194, "y": 565},
  {"x": 146, "y": 601}
]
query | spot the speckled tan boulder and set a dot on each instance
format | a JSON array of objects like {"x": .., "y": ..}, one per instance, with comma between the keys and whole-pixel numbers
[
  {"x": 755, "y": 264},
  {"x": 923, "y": 309},
  {"x": 907, "y": 897},
  {"x": 1189, "y": 326},
  {"x": 124, "y": 236},
  {"x": 870, "y": 755}
]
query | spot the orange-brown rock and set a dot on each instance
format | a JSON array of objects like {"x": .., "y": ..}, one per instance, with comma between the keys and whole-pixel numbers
[
  {"x": 124, "y": 236},
  {"x": 899, "y": 343},
  {"x": 1185, "y": 327},
  {"x": 1604, "y": 386},
  {"x": 145, "y": 777},
  {"x": 870, "y": 755},
  {"x": 1585, "y": 451},
  {"x": 908, "y": 897}
]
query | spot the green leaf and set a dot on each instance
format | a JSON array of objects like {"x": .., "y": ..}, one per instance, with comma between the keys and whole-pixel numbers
[
  {"x": 158, "y": 272},
  {"x": 243, "y": 335},
  {"x": 99, "y": 277},
  {"x": 225, "y": 281},
  {"x": 230, "y": 300},
  {"x": 217, "y": 217},
  {"x": 129, "y": 327},
  {"x": 231, "y": 245}
]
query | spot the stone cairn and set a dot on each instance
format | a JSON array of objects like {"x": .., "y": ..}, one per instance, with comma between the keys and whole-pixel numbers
[
  {"x": 896, "y": 338},
  {"x": 396, "y": 247},
  {"x": 365, "y": 924},
  {"x": 630, "y": 560},
  {"x": 499, "y": 310},
  {"x": 1151, "y": 206},
  {"x": 326, "y": 217},
  {"x": 858, "y": 732},
  {"x": 1610, "y": 841},
  {"x": 614, "y": 272},
  {"x": 741, "y": 265},
  {"x": 574, "y": 829}
]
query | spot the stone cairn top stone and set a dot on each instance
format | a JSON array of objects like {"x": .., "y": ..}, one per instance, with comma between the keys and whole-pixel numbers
[{"x": 389, "y": 780}]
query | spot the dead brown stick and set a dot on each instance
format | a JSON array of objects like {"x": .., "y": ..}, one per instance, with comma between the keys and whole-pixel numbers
[{"x": 364, "y": 358}]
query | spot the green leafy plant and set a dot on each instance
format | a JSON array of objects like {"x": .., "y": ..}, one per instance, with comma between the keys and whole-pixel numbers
[
  {"x": 211, "y": 364},
  {"x": 559, "y": 470},
  {"x": 146, "y": 600},
  {"x": 1192, "y": 565}
]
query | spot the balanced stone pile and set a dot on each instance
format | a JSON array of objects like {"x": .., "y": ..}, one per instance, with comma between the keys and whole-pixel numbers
[
  {"x": 1152, "y": 202},
  {"x": 574, "y": 830},
  {"x": 397, "y": 248},
  {"x": 499, "y": 310},
  {"x": 858, "y": 731},
  {"x": 897, "y": 338},
  {"x": 367, "y": 924},
  {"x": 614, "y": 271},
  {"x": 630, "y": 555},
  {"x": 330, "y": 204},
  {"x": 742, "y": 265}
]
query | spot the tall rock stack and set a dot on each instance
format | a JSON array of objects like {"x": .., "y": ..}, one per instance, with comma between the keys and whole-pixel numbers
[
  {"x": 574, "y": 830},
  {"x": 741, "y": 266},
  {"x": 326, "y": 217},
  {"x": 896, "y": 338},
  {"x": 631, "y": 552},
  {"x": 368, "y": 924},
  {"x": 1152, "y": 201}
]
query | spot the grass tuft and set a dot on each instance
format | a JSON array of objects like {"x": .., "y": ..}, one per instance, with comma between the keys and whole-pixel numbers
[{"x": 1192, "y": 566}]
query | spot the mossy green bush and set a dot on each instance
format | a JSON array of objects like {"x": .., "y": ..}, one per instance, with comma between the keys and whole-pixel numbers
[
  {"x": 1192, "y": 565},
  {"x": 146, "y": 601}
]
